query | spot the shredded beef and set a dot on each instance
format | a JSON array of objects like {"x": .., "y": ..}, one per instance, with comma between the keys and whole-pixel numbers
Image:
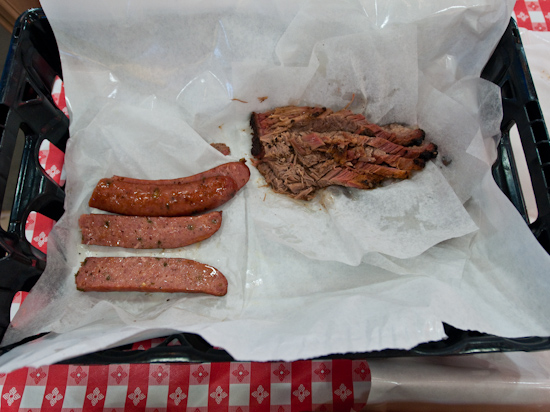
[{"x": 301, "y": 149}]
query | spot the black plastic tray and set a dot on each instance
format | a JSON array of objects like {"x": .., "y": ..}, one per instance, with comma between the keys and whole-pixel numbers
[{"x": 26, "y": 107}]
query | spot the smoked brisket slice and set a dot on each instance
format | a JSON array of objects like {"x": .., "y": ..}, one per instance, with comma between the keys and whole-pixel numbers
[
  {"x": 301, "y": 149},
  {"x": 322, "y": 119}
]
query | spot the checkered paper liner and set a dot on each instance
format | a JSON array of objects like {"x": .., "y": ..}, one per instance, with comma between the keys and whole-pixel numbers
[
  {"x": 16, "y": 303},
  {"x": 50, "y": 157},
  {"x": 37, "y": 230},
  {"x": 320, "y": 385},
  {"x": 52, "y": 161},
  {"x": 328, "y": 385},
  {"x": 533, "y": 14},
  {"x": 58, "y": 95}
]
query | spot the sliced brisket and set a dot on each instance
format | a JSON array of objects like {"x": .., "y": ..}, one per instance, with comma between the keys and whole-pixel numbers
[{"x": 301, "y": 149}]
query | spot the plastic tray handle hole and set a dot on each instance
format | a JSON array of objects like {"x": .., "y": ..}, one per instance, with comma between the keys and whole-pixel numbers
[
  {"x": 11, "y": 182},
  {"x": 29, "y": 93},
  {"x": 3, "y": 253},
  {"x": 533, "y": 111},
  {"x": 4, "y": 110},
  {"x": 507, "y": 91},
  {"x": 523, "y": 174}
]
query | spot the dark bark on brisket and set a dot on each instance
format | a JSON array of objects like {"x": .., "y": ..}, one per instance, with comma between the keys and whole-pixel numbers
[{"x": 257, "y": 148}]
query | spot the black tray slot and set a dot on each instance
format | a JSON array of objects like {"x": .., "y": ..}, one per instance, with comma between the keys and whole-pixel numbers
[
  {"x": 26, "y": 107},
  {"x": 188, "y": 348}
]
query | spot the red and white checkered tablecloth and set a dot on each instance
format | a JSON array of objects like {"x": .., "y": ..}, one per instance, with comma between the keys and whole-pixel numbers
[
  {"x": 533, "y": 14},
  {"x": 328, "y": 385},
  {"x": 320, "y": 385}
]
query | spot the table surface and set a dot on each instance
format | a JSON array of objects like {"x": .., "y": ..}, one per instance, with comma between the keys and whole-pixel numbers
[{"x": 513, "y": 381}]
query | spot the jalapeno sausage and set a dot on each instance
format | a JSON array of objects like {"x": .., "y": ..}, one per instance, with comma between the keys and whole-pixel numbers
[
  {"x": 153, "y": 199},
  {"x": 149, "y": 274},
  {"x": 238, "y": 171},
  {"x": 147, "y": 232}
]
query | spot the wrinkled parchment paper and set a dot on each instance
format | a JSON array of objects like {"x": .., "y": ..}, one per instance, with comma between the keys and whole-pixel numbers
[{"x": 150, "y": 87}]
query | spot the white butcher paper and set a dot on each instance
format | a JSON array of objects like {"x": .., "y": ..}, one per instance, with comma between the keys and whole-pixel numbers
[{"x": 151, "y": 86}]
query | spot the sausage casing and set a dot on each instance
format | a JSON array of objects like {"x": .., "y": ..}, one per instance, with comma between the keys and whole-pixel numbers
[
  {"x": 153, "y": 199},
  {"x": 238, "y": 171}
]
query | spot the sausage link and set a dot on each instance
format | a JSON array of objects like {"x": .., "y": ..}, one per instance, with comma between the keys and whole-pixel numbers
[
  {"x": 238, "y": 171},
  {"x": 149, "y": 274},
  {"x": 139, "y": 232},
  {"x": 151, "y": 199}
]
